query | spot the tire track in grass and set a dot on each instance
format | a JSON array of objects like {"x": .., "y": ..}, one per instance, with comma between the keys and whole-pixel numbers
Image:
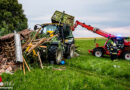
[{"x": 91, "y": 73}]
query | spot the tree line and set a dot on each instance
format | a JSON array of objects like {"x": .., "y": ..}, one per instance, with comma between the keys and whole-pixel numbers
[{"x": 12, "y": 17}]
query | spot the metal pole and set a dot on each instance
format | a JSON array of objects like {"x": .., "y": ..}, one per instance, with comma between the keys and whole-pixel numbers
[{"x": 18, "y": 48}]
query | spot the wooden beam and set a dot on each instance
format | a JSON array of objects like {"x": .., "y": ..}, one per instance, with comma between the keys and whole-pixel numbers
[
  {"x": 23, "y": 68},
  {"x": 26, "y": 64},
  {"x": 39, "y": 58}
]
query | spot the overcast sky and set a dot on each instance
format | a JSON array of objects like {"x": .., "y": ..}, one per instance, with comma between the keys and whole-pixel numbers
[{"x": 112, "y": 16}]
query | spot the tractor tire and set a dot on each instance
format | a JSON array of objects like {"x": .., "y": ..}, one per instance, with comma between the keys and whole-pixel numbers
[
  {"x": 98, "y": 52},
  {"x": 70, "y": 52},
  {"x": 126, "y": 55},
  {"x": 55, "y": 54}
]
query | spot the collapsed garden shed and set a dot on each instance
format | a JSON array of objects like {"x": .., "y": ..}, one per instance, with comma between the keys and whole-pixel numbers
[{"x": 7, "y": 50}]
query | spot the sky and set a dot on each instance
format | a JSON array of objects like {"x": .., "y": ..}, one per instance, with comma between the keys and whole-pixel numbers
[{"x": 112, "y": 16}]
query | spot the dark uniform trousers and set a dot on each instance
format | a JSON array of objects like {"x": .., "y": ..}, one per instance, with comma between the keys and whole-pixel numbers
[{"x": 114, "y": 53}]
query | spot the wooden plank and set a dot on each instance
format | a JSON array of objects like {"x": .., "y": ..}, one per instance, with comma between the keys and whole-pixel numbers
[
  {"x": 40, "y": 42},
  {"x": 27, "y": 42},
  {"x": 36, "y": 34},
  {"x": 39, "y": 58},
  {"x": 23, "y": 68},
  {"x": 26, "y": 64},
  {"x": 36, "y": 45}
]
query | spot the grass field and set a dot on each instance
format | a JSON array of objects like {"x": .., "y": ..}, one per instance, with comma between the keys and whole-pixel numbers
[{"x": 85, "y": 72}]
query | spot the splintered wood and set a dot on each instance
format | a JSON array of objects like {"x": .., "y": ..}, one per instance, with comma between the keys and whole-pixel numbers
[
  {"x": 30, "y": 45},
  {"x": 7, "y": 51}
]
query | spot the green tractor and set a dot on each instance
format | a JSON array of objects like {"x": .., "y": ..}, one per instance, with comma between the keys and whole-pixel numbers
[{"x": 62, "y": 43}]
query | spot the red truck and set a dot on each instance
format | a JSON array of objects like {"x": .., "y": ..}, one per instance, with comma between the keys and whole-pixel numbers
[{"x": 122, "y": 43}]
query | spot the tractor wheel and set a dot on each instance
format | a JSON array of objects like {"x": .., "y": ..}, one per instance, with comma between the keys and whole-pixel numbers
[
  {"x": 127, "y": 55},
  {"x": 55, "y": 54},
  {"x": 98, "y": 52},
  {"x": 71, "y": 51}
]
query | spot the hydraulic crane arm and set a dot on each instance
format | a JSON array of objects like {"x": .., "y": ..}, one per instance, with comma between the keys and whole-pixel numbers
[{"x": 93, "y": 29}]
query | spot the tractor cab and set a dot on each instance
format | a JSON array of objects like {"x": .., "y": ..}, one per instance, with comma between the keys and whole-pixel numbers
[
  {"x": 64, "y": 31},
  {"x": 48, "y": 29}
]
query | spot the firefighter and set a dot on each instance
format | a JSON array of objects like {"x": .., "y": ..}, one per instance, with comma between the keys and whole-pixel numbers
[{"x": 113, "y": 49}]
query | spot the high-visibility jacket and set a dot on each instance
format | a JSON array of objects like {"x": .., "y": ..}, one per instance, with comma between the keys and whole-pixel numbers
[{"x": 113, "y": 48}]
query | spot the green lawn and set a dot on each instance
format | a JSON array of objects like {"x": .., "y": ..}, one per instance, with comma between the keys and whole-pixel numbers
[{"x": 85, "y": 72}]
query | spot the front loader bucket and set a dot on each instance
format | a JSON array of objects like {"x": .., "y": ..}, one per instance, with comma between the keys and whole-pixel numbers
[{"x": 67, "y": 19}]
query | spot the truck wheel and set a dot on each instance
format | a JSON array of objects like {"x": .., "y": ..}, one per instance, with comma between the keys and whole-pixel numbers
[
  {"x": 98, "y": 52},
  {"x": 127, "y": 55},
  {"x": 55, "y": 54}
]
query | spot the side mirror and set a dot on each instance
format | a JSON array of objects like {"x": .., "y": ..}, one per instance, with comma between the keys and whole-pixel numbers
[{"x": 35, "y": 27}]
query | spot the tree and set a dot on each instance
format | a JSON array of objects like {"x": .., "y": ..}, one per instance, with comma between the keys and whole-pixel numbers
[{"x": 11, "y": 17}]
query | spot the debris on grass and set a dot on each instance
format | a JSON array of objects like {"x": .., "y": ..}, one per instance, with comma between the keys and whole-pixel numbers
[
  {"x": 116, "y": 66},
  {"x": 60, "y": 68}
]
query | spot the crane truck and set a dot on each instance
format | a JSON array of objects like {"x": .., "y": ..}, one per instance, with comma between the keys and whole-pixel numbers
[{"x": 123, "y": 45}]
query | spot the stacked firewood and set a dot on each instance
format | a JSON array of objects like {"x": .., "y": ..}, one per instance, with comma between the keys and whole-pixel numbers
[
  {"x": 7, "y": 51},
  {"x": 8, "y": 48}
]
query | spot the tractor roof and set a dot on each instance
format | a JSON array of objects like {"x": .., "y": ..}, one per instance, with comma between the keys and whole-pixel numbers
[{"x": 57, "y": 24}]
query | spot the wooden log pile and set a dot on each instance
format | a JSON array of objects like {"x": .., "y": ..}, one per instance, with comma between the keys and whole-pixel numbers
[
  {"x": 30, "y": 45},
  {"x": 7, "y": 50}
]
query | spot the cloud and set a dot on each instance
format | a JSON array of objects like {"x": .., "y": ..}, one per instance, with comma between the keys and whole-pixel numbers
[
  {"x": 95, "y": 19},
  {"x": 41, "y": 18},
  {"x": 124, "y": 31},
  {"x": 112, "y": 16}
]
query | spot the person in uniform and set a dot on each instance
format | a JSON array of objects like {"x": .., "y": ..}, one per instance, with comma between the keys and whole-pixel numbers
[{"x": 113, "y": 49}]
